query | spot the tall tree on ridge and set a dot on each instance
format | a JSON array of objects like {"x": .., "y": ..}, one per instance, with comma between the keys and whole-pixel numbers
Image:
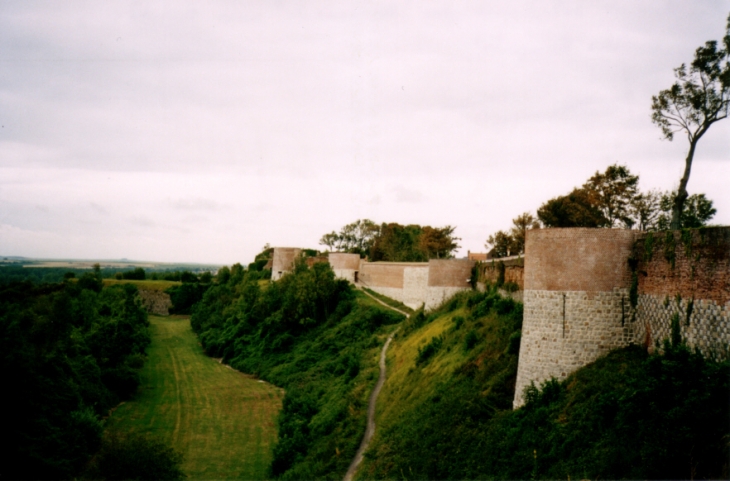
[{"x": 698, "y": 99}]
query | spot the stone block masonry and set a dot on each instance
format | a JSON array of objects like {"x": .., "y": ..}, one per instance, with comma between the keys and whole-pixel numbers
[
  {"x": 588, "y": 291},
  {"x": 283, "y": 261}
]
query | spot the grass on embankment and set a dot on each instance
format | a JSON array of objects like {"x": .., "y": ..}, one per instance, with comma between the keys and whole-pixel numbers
[
  {"x": 445, "y": 411},
  {"x": 223, "y": 421},
  {"x": 389, "y": 301},
  {"x": 146, "y": 284}
]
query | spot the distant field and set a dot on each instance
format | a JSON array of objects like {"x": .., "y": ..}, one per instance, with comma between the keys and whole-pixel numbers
[
  {"x": 223, "y": 421},
  {"x": 149, "y": 285},
  {"x": 89, "y": 264}
]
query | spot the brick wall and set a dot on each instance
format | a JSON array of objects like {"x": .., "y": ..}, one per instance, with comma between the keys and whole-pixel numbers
[
  {"x": 684, "y": 275},
  {"x": 691, "y": 263},
  {"x": 577, "y": 259},
  {"x": 576, "y": 301},
  {"x": 514, "y": 271},
  {"x": 342, "y": 260},
  {"x": 578, "y": 289},
  {"x": 449, "y": 273}
]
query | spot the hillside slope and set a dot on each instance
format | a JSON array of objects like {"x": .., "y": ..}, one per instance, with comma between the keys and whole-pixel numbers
[{"x": 445, "y": 412}]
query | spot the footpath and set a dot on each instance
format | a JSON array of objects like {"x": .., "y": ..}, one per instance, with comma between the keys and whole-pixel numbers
[{"x": 370, "y": 430}]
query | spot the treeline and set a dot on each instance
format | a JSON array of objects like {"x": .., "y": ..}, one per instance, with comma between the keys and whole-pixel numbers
[
  {"x": 610, "y": 199},
  {"x": 316, "y": 337},
  {"x": 69, "y": 352},
  {"x": 629, "y": 415},
  {"x": 392, "y": 242}
]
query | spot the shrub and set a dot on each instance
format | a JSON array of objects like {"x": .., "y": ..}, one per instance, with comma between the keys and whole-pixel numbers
[
  {"x": 136, "y": 457},
  {"x": 429, "y": 350}
]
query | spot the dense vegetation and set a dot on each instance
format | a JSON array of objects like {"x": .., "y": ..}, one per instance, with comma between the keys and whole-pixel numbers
[
  {"x": 607, "y": 199},
  {"x": 316, "y": 337},
  {"x": 446, "y": 410},
  {"x": 393, "y": 242},
  {"x": 68, "y": 353}
]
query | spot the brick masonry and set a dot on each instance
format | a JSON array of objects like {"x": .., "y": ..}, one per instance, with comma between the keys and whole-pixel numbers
[{"x": 578, "y": 290}]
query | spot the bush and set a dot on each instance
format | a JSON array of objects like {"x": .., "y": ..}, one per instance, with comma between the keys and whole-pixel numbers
[
  {"x": 429, "y": 350},
  {"x": 136, "y": 457}
]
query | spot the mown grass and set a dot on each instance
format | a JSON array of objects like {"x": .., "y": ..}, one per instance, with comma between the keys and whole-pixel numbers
[
  {"x": 146, "y": 284},
  {"x": 223, "y": 421}
]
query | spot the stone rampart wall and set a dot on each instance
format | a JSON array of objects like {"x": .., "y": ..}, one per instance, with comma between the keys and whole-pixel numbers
[
  {"x": 415, "y": 285},
  {"x": 514, "y": 271},
  {"x": 588, "y": 291},
  {"x": 705, "y": 325},
  {"x": 283, "y": 261},
  {"x": 565, "y": 330}
]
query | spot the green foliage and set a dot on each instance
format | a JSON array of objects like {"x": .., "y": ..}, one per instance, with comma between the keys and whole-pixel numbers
[
  {"x": 428, "y": 351},
  {"x": 613, "y": 192},
  {"x": 316, "y": 337},
  {"x": 576, "y": 209},
  {"x": 634, "y": 290},
  {"x": 391, "y": 302},
  {"x": 433, "y": 420},
  {"x": 697, "y": 211},
  {"x": 627, "y": 416},
  {"x": 503, "y": 244},
  {"x": 135, "y": 457},
  {"x": 699, "y": 97},
  {"x": 68, "y": 354}
]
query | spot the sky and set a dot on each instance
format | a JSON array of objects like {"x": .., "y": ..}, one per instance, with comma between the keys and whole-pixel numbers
[{"x": 181, "y": 131}]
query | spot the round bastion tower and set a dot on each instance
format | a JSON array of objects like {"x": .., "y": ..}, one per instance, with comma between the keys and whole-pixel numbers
[{"x": 576, "y": 301}]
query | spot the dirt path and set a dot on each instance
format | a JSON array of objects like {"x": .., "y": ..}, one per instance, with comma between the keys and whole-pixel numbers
[{"x": 370, "y": 430}]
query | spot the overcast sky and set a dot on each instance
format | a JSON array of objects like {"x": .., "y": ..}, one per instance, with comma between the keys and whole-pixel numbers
[{"x": 199, "y": 131}]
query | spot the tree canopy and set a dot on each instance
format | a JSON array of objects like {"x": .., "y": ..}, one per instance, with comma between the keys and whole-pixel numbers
[
  {"x": 393, "y": 242},
  {"x": 699, "y": 97}
]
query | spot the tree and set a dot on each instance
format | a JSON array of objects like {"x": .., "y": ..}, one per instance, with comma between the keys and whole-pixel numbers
[
  {"x": 576, "y": 209},
  {"x": 699, "y": 98},
  {"x": 645, "y": 210},
  {"x": 438, "y": 243},
  {"x": 503, "y": 244},
  {"x": 613, "y": 193},
  {"x": 355, "y": 238},
  {"x": 698, "y": 210}
]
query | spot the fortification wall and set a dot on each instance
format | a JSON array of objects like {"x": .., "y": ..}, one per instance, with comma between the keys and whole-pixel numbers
[
  {"x": 446, "y": 277},
  {"x": 580, "y": 259},
  {"x": 576, "y": 301},
  {"x": 283, "y": 261},
  {"x": 345, "y": 265},
  {"x": 514, "y": 271},
  {"x": 415, "y": 285},
  {"x": 684, "y": 276},
  {"x": 588, "y": 291}
]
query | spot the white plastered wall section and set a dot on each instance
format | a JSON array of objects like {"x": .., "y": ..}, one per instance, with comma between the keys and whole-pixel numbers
[
  {"x": 437, "y": 295},
  {"x": 395, "y": 293},
  {"x": 563, "y": 331},
  {"x": 346, "y": 274},
  {"x": 415, "y": 286}
]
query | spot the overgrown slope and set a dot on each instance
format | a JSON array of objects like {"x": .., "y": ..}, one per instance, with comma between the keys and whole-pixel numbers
[
  {"x": 314, "y": 336},
  {"x": 445, "y": 412}
]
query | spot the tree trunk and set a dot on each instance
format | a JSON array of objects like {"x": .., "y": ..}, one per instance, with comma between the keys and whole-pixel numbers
[{"x": 682, "y": 195}]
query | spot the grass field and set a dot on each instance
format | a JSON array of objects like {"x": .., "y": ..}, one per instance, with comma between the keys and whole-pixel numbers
[
  {"x": 149, "y": 285},
  {"x": 224, "y": 422}
]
